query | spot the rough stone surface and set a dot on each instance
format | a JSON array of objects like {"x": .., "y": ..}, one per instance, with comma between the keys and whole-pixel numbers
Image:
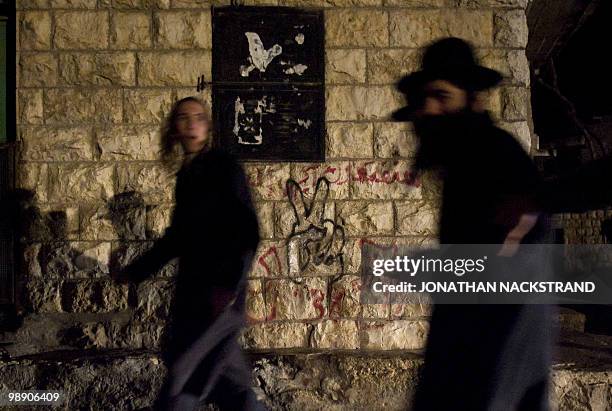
[
  {"x": 417, "y": 28},
  {"x": 265, "y": 216},
  {"x": 267, "y": 181},
  {"x": 152, "y": 181},
  {"x": 356, "y": 28},
  {"x": 335, "y": 334},
  {"x": 362, "y": 218},
  {"x": 33, "y": 177},
  {"x": 511, "y": 29},
  {"x": 128, "y": 143},
  {"x": 76, "y": 182},
  {"x": 173, "y": 68},
  {"x": 387, "y": 66},
  {"x": 515, "y": 103},
  {"x": 30, "y": 106},
  {"x": 81, "y": 30},
  {"x": 276, "y": 335},
  {"x": 307, "y": 299},
  {"x": 393, "y": 140},
  {"x": 158, "y": 219},
  {"x": 70, "y": 106},
  {"x": 399, "y": 334},
  {"x": 361, "y": 103},
  {"x": 520, "y": 131},
  {"x": 183, "y": 30},
  {"x": 344, "y": 297},
  {"x": 100, "y": 69},
  {"x": 270, "y": 259},
  {"x": 56, "y": 144},
  {"x": 148, "y": 106},
  {"x": 255, "y": 304},
  {"x": 349, "y": 140},
  {"x": 346, "y": 66},
  {"x": 37, "y": 69},
  {"x": 512, "y": 64},
  {"x": 389, "y": 179},
  {"x": 416, "y": 218},
  {"x": 130, "y": 30},
  {"x": 35, "y": 30}
]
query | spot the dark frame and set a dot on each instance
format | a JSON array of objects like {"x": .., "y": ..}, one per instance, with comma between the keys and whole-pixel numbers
[{"x": 281, "y": 142}]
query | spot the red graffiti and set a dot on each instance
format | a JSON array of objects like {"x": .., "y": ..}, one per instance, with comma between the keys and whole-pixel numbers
[
  {"x": 386, "y": 177},
  {"x": 329, "y": 170},
  {"x": 271, "y": 252},
  {"x": 336, "y": 303},
  {"x": 317, "y": 300}
]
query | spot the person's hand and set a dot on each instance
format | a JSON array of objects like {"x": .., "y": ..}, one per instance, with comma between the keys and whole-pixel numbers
[{"x": 516, "y": 235}]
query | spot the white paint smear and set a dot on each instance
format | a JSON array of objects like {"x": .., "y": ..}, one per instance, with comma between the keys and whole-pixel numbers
[
  {"x": 304, "y": 123},
  {"x": 259, "y": 57},
  {"x": 299, "y": 39},
  {"x": 298, "y": 69}
]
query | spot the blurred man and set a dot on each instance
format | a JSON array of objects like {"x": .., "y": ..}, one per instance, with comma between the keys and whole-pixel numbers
[{"x": 478, "y": 357}]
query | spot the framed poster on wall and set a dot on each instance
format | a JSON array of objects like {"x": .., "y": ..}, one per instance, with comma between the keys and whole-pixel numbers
[{"x": 268, "y": 72}]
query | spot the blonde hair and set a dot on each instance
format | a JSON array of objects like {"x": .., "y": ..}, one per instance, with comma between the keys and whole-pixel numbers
[{"x": 171, "y": 150}]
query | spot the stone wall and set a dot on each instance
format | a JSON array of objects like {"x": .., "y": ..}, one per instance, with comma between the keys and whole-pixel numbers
[{"x": 95, "y": 79}]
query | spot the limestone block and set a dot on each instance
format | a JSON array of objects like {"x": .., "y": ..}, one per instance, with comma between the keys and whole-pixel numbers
[
  {"x": 130, "y": 30},
  {"x": 417, "y": 28},
  {"x": 128, "y": 143},
  {"x": 270, "y": 260},
  {"x": 35, "y": 30},
  {"x": 394, "y": 335},
  {"x": 30, "y": 106},
  {"x": 417, "y": 3},
  {"x": 265, "y": 216},
  {"x": 79, "y": 105},
  {"x": 512, "y": 64},
  {"x": 186, "y": 3},
  {"x": 520, "y": 131},
  {"x": 31, "y": 4},
  {"x": 42, "y": 296},
  {"x": 363, "y": 218},
  {"x": 335, "y": 334},
  {"x": 81, "y": 30},
  {"x": 276, "y": 335},
  {"x": 38, "y": 69},
  {"x": 266, "y": 180},
  {"x": 376, "y": 311},
  {"x": 296, "y": 299},
  {"x": 337, "y": 174},
  {"x": 388, "y": 66},
  {"x": 511, "y": 29},
  {"x": 416, "y": 218},
  {"x": 173, "y": 68},
  {"x": 96, "y": 223},
  {"x": 384, "y": 179},
  {"x": 183, "y": 29},
  {"x": 344, "y": 297},
  {"x": 62, "y": 221},
  {"x": 103, "y": 69},
  {"x": 153, "y": 300},
  {"x": 361, "y": 103},
  {"x": 492, "y": 3},
  {"x": 79, "y": 259},
  {"x": 28, "y": 257},
  {"x": 392, "y": 140},
  {"x": 120, "y": 218},
  {"x": 147, "y": 106},
  {"x": 515, "y": 103},
  {"x": 77, "y": 4},
  {"x": 33, "y": 177},
  {"x": 41, "y": 143},
  {"x": 351, "y": 140},
  {"x": 152, "y": 181},
  {"x": 345, "y": 66},
  {"x": 158, "y": 219},
  {"x": 93, "y": 296},
  {"x": 410, "y": 311},
  {"x": 71, "y": 182},
  {"x": 218, "y": 3},
  {"x": 356, "y": 28},
  {"x": 255, "y": 304}
]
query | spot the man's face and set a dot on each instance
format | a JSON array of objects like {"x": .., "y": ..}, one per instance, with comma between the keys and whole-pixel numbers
[
  {"x": 442, "y": 97},
  {"x": 192, "y": 126}
]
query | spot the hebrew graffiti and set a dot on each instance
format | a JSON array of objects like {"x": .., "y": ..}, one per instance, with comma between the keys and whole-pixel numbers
[{"x": 315, "y": 240}]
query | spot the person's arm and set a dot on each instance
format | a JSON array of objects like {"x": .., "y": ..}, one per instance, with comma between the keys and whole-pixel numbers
[{"x": 145, "y": 265}]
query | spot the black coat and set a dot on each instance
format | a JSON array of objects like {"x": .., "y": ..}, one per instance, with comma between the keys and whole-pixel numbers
[
  {"x": 214, "y": 232},
  {"x": 485, "y": 357}
]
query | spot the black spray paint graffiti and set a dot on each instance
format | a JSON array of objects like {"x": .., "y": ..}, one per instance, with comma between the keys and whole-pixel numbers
[{"x": 314, "y": 240}]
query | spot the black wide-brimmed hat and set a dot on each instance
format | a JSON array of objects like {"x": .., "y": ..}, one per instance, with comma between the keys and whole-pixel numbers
[{"x": 450, "y": 59}]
